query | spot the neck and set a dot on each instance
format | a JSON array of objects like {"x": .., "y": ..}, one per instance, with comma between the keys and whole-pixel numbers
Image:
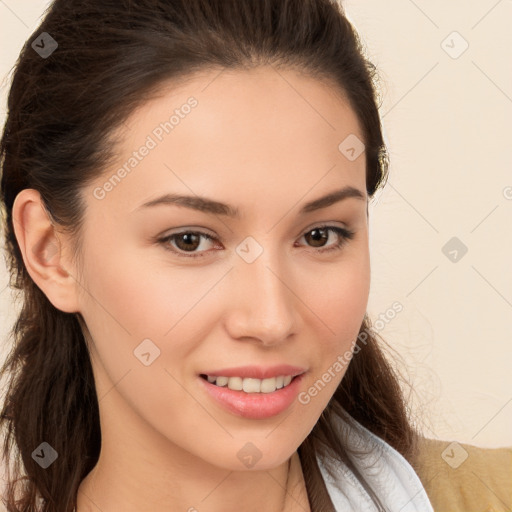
[{"x": 98, "y": 490}]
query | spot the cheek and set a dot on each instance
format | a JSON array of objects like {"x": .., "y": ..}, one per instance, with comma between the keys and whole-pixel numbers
[
  {"x": 340, "y": 303},
  {"x": 341, "y": 306},
  {"x": 340, "y": 295},
  {"x": 135, "y": 309},
  {"x": 132, "y": 301},
  {"x": 143, "y": 297}
]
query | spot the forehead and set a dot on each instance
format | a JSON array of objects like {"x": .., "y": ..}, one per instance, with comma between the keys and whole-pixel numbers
[
  {"x": 237, "y": 100},
  {"x": 240, "y": 136}
]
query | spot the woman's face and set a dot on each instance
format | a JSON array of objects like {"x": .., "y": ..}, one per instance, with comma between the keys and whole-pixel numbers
[{"x": 269, "y": 288}]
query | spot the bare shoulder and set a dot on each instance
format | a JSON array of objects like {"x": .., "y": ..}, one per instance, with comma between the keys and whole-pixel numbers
[{"x": 463, "y": 477}]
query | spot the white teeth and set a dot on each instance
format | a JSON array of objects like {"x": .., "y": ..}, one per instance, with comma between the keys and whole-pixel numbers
[
  {"x": 222, "y": 381},
  {"x": 250, "y": 385},
  {"x": 268, "y": 385},
  {"x": 235, "y": 383}
]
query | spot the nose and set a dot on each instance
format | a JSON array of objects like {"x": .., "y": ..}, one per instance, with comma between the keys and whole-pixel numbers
[{"x": 262, "y": 304}]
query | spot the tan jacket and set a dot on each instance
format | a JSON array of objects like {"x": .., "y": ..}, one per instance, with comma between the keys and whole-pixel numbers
[{"x": 460, "y": 477}]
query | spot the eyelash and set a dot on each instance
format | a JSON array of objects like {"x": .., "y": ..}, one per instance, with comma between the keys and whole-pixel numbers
[{"x": 345, "y": 236}]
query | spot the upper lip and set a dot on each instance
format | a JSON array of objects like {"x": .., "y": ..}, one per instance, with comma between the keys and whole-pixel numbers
[{"x": 257, "y": 372}]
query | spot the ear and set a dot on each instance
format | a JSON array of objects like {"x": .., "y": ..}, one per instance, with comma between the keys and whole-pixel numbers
[{"x": 42, "y": 248}]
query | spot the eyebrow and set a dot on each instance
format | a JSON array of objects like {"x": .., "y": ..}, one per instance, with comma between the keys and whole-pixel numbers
[{"x": 206, "y": 205}]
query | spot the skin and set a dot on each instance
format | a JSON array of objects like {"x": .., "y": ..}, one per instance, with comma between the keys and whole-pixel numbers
[{"x": 266, "y": 143}]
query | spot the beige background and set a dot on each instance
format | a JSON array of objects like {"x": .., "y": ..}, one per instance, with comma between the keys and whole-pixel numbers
[{"x": 447, "y": 117}]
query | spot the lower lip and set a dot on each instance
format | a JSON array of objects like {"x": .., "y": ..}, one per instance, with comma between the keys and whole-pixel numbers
[{"x": 254, "y": 405}]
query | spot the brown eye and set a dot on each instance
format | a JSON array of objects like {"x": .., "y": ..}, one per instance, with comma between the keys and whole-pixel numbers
[
  {"x": 187, "y": 242},
  {"x": 319, "y": 236}
]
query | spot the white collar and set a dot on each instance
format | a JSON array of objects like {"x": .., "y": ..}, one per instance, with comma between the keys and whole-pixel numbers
[{"x": 387, "y": 472}]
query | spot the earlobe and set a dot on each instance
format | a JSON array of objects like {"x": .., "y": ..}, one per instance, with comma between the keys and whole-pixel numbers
[{"x": 42, "y": 251}]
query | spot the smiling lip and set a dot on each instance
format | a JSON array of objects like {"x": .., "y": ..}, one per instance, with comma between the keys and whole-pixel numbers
[
  {"x": 254, "y": 405},
  {"x": 257, "y": 372}
]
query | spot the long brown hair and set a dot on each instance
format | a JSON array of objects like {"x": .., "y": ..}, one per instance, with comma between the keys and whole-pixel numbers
[{"x": 62, "y": 108}]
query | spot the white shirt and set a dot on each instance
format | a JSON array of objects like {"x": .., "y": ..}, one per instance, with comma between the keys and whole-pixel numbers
[{"x": 386, "y": 471}]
